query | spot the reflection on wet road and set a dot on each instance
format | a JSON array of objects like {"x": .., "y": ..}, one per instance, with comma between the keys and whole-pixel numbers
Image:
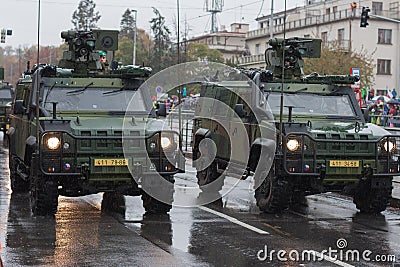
[{"x": 236, "y": 234}]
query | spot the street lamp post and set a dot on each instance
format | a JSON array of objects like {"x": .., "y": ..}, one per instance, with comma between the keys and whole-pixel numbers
[{"x": 134, "y": 36}]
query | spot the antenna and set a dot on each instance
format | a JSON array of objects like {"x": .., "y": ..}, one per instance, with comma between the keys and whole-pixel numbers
[{"x": 214, "y": 7}]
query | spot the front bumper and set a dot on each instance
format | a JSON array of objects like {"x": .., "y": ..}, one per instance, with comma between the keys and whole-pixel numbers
[{"x": 342, "y": 157}]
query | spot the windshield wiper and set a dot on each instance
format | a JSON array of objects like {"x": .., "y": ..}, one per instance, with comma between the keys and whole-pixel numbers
[
  {"x": 81, "y": 89},
  {"x": 344, "y": 117},
  {"x": 49, "y": 91},
  {"x": 115, "y": 91}
]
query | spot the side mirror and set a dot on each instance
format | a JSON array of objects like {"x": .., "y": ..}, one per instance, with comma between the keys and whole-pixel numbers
[
  {"x": 19, "y": 108},
  {"x": 162, "y": 110},
  {"x": 239, "y": 110}
]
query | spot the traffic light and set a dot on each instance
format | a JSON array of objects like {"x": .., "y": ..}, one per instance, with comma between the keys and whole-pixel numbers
[
  {"x": 3, "y": 35},
  {"x": 364, "y": 17}
]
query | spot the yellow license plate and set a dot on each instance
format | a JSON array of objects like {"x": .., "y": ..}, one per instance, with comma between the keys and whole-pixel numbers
[
  {"x": 110, "y": 162},
  {"x": 344, "y": 163}
]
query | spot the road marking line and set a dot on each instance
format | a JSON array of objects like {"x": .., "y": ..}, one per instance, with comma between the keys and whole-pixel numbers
[
  {"x": 234, "y": 220},
  {"x": 334, "y": 261},
  {"x": 252, "y": 228},
  {"x": 276, "y": 229}
]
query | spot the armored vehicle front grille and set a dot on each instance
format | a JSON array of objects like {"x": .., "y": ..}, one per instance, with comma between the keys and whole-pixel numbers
[
  {"x": 102, "y": 143},
  {"x": 102, "y": 152},
  {"x": 118, "y": 142},
  {"x": 134, "y": 143},
  {"x": 85, "y": 143}
]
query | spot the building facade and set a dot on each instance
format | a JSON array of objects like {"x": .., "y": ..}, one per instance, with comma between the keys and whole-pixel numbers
[
  {"x": 338, "y": 21},
  {"x": 230, "y": 43}
]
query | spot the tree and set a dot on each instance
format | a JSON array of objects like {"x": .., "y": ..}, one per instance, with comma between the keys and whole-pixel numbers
[
  {"x": 85, "y": 18},
  {"x": 127, "y": 24},
  {"x": 201, "y": 51},
  {"x": 160, "y": 58},
  {"x": 143, "y": 45},
  {"x": 337, "y": 61}
]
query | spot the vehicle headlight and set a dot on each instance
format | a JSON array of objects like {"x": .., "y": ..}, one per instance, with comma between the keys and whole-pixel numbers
[
  {"x": 53, "y": 143},
  {"x": 166, "y": 142},
  {"x": 389, "y": 146},
  {"x": 292, "y": 144}
]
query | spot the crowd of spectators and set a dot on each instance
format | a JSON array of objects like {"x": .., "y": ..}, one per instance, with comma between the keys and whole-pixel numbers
[{"x": 383, "y": 110}]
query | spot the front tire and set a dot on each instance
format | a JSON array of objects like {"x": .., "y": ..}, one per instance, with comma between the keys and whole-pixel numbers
[
  {"x": 155, "y": 206},
  {"x": 113, "y": 201},
  {"x": 43, "y": 192},
  {"x": 371, "y": 200},
  {"x": 44, "y": 197},
  {"x": 207, "y": 175},
  {"x": 273, "y": 195}
]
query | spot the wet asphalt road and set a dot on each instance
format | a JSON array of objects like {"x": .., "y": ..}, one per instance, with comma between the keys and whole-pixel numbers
[{"x": 236, "y": 234}]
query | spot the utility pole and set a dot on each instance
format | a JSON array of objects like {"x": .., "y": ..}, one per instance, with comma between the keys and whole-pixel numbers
[
  {"x": 50, "y": 54},
  {"x": 179, "y": 87},
  {"x": 134, "y": 36},
  {"x": 37, "y": 81},
  {"x": 19, "y": 60},
  {"x": 271, "y": 21}
]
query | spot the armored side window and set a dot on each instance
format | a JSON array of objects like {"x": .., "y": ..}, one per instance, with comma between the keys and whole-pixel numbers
[
  {"x": 205, "y": 103},
  {"x": 223, "y": 103}
]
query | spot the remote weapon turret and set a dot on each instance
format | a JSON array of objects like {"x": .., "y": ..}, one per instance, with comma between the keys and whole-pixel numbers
[{"x": 83, "y": 46}]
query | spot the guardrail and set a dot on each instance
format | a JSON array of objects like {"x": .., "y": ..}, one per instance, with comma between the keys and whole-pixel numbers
[
  {"x": 186, "y": 126},
  {"x": 388, "y": 121}
]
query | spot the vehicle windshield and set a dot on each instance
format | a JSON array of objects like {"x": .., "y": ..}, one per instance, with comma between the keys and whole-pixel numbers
[
  {"x": 313, "y": 104},
  {"x": 93, "y": 99}
]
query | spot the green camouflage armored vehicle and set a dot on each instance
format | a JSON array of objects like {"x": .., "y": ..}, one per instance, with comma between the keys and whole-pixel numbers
[
  {"x": 322, "y": 140},
  {"x": 6, "y": 97},
  {"x": 70, "y": 126}
]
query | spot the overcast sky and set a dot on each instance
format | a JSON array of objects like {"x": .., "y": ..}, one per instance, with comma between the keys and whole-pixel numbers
[{"x": 21, "y": 16}]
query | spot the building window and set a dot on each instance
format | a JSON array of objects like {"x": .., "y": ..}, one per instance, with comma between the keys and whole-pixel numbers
[
  {"x": 324, "y": 37},
  {"x": 307, "y": 36},
  {"x": 384, "y": 36},
  {"x": 383, "y": 66},
  {"x": 340, "y": 37},
  {"x": 257, "y": 49},
  {"x": 394, "y": 6},
  {"x": 393, "y": 9},
  {"x": 377, "y": 8},
  {"x": 327, "y": 11}
]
